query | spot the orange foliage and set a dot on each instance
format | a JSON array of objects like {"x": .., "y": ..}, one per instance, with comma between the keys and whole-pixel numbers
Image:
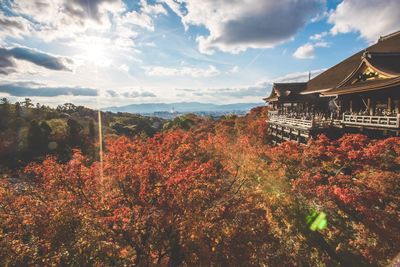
[{"x": 216, "y": 194}]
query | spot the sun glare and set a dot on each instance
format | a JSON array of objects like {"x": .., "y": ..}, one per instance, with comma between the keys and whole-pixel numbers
[{"x": 96, "y": 53}]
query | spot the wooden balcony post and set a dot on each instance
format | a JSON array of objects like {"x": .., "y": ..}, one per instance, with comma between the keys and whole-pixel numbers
[
  {"x": 398, "y": 120},
  {"x": 351, "y": 105},
  {"x": 389, "y": 104},
  {"x": 369, "y": 106},
  {"x": 398, "y": 106},
  {"x": 373, "y": 107}
]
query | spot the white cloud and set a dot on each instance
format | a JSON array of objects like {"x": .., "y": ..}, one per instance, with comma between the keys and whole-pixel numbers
[
  {"x": 16, "y": 27},
  {"x": 100, "y": 33},
  {"x": 10, "y": 58},
  {"x": 136, "y": 94},
  {"x": 124, "y": 67},
  {"x": 148, "y": 44},
  {"x": 234, "y": 69},
  {"x": 65, "y": 19},
  {"x": 235, "y": 26},
  {"x": 252, "y": 92},
  {"x": 72, "y": 19},
  {"x": 305, "y": 51},
  {"x": 143, "y": 17},
  {"x": 155, "y": 9},
  {"x": 298, "y": 76},
  {"x": 184, "y": 71},
  {"x": 371, "y": 18},
  {"x": 139, "y": 19},
  {"x": 321, "y": 44},
  {"x": 318, "y": 36}
]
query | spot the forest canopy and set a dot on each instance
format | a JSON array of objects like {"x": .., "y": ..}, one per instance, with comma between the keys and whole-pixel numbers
[{"x": 194, "y": 191}]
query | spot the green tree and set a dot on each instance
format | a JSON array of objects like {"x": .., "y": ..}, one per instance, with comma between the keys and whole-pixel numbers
[
  {"x": 74, "y": 133},
  {"x": 27, "y": 103},
  {"x": 46, "y": 131},
  {"x": 4, "y": 113},
  {"x": 17, "y": 109},
  {"x": 92, "y": 130},
  {"x": 4, "y": 100},
  {"x": 35, "y": 140}
]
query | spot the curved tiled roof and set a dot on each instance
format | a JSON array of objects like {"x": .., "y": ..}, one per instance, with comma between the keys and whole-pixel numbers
[
  {"x": 371, "y": 85},
  {"x": 388, "y": 62},
  {"x": 281, "y": 91},
  {"x": 379, "y": 52}
]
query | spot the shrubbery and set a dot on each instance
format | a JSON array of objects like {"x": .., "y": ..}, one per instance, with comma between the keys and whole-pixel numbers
[{"x": 213, "y": 194}]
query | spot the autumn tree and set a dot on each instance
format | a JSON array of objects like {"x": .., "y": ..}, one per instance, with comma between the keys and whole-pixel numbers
[
  {"x": 159, "y": 201},
  {"x": 206, "y": 193}
]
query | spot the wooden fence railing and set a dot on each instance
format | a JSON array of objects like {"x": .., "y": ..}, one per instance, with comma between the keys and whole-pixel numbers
[
  {"x": 291, "y": 121},
  {"x": 378, "y": 121},
  {"x": 392, "y": 122}
]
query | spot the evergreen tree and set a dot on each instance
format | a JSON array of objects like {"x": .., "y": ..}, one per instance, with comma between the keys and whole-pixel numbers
[
  {"x": 28, "y": 103},
  {"x": 38, "y": 138},
  {"x": 92, "y": 131},
  {"x": 35, "y": 139},
  {"x": 74, "y": 133},
  {"x": 4, "y": 113},
  {"x": 46, "y": 130},
  {"x": 17, "y": 109}
]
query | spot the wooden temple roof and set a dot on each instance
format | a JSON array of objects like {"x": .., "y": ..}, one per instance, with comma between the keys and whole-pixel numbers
[
  {"x": 364, "y": 87},
  {"x": 376, "y": 71},
  {"x": 382, "y": 57},
  {"x": 285, "y": 91},
  {"x": 386, "y": 62}
]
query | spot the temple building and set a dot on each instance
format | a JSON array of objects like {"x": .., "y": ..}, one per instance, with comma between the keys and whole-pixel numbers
[{"x": 361, "y": 93}]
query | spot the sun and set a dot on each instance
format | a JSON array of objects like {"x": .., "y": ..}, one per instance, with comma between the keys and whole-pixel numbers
[{"x": 96, "y": 53}]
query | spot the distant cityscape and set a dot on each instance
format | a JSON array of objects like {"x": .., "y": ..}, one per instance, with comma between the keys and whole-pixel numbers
[
  {"x": 213, "y": 114},
  {"x": 173, "y": 110}
]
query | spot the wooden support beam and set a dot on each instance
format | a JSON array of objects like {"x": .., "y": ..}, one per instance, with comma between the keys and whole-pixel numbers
[
  {"x": 398, "y": 106},
  {"x": 351, "y": 105},
  {"x": 373, "y": 104},
  {"x": 389, "y": 104},
  {"x": 369, "y": 106}
]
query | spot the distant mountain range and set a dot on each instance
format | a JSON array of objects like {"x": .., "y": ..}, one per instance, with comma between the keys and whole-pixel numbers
[{"x": 182, "y": 107}]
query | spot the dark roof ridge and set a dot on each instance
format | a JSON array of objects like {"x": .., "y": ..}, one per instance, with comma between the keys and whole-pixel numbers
[
  {"x": 334, "y": 76},
  {"x": 384, "y": 37},
  {"x": 279, "y": 83},
  {"x": 369, "y": 53}
]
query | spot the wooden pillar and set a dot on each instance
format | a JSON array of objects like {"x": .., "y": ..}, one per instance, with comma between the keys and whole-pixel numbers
[
  {"x": 369, "y": 106},
  {"x": 398, "y": 106},
  {"x": 389, "y": 104},
  {"x": 351, "y": 105},
  {"x": 373, "y": 105}
]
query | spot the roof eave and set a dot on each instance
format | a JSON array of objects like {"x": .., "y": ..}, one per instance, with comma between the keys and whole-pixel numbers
[
  {"x": 336, "y": 91},
  {"x": 315, "y": 91},
  {"x": 267, "y": 99}
]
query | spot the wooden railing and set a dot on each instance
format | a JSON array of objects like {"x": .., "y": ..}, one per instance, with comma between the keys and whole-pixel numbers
[
  {"x": 377, "y": 121},
  {"x": 291, "y": 121},
  {"x": 392, "y": 122}
]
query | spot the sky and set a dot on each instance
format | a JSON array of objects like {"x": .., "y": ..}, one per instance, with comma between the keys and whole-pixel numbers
[{"x": 102, "y": 53}]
